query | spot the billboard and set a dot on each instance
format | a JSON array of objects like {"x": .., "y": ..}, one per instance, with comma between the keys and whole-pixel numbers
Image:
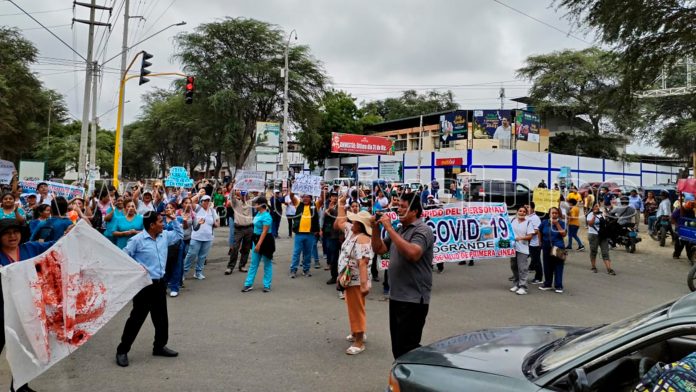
[
  {"x": 527, "y": 126},
  {"x": 267, "y": 136},
  {"x": 453, "y": 126},
  {"x": 346, "y": 143},
  {"x": 486, "y": 122}
]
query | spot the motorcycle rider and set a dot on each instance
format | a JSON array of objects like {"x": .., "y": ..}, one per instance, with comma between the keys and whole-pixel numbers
[
  {"x": 664, "y": 211},
  {"x": 686, "y": 210}
]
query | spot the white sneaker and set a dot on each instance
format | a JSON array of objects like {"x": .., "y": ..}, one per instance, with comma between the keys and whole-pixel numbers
[
  {"x": 514, "y": 288},
  {"x": 521, "y": 291},
  {"x": 341, "y": 295},
  {"x": 174, "y": 294},
  {"x": 199, "y": 276}
]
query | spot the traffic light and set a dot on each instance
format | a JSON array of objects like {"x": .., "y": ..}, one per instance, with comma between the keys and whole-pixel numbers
[
  {"x": 143, "y": 68},
  {"x": 188, "y": 95}
]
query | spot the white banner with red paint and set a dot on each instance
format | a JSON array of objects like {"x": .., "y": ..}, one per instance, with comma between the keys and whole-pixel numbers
[
  {"x": 347, "y": 143},
  {"x": 57, "y": 301}
]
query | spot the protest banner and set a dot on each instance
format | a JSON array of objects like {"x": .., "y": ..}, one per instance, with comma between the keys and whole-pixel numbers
[
  {"x": 466, "y": 231},
  {"x": 249, "y": 180},
  {"x": 544, "y": 199},
  {"x": 307, "y": 184},
  {"x": 57, "y": 301},
  {"x": 7, "y": 170},
  {"x": 57, "y": 189},
  {"x": 31, "y": 170},
  {"x": 178, "y": 178}
]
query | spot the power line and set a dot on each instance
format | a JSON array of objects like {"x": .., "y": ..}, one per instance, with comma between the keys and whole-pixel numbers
[
  {"x": 38, "y": 12},
  {"x": 159, "y": 17},
  {"x": 567, "y": 33},
  {"x": 46, "y": 28},
  {"x": 40, "y": 28}
]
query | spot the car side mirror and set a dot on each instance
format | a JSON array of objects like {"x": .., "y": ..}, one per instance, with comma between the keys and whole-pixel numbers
[{"x": 578, "y": 381}]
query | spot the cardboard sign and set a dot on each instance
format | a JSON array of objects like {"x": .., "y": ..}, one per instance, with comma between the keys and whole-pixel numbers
[
  {"x": 178, "y": 178},
  {"x": 55, "y": 302},
  {"x": 248, "y": 180},
  {"x": 57, "y": 189},
  {"x": 7, "y": 169},
  {"x": 467, "y": 231},
  {"x": 544, "y": 199},
  {"x": 307, "y": 184}
]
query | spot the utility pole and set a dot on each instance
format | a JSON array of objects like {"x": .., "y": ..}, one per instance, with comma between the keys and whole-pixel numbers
[
  {"x": 286, "y": 71},
  {"x": 93, "y": 144},
  {"x": 420, "y": 147},
  {"x": 502, "y": 98},
  {"x": 84, "y": 133}
]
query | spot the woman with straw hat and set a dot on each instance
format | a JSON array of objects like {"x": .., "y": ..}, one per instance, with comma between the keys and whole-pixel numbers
[{"x": 355, "y": 259}]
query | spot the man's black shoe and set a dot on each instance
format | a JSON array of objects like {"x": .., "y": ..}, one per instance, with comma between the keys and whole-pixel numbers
[
  {"x": 331, "y": 281},
  {"x": 23, "y": 388},
  {"x": 122, "y": 360},
  {"x": 164, "y": 352}
]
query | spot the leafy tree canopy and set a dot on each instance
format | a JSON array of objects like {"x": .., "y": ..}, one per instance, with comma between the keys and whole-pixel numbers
[{"x": 410, "y": 104}]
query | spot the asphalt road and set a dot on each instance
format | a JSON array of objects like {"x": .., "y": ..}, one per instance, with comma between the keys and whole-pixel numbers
[{"x": 292, "y": 339}]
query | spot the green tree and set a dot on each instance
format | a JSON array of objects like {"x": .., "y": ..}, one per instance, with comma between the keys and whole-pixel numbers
[
  {"x": 571, "y": 84},
  {"x": 24, "y": 102},
  {"x": 337, "y": 113},
  {"x": 237, "y": 63},
  {"x": 410, "y": 104},
  {"x": 679, "y": 138},
  {"x": 647, "y": 34}
]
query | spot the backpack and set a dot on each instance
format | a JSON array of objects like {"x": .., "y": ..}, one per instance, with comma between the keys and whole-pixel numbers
[
  {"x": 97, "y": 220},
  {"x": 603, "y": 231},
  {"x": 45, "y": 232}
]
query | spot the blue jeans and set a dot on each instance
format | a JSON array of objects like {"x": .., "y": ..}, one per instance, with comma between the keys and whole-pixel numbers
[
  {"x": 304, "y": 242},
  {"x": 267, "y": 270},
  {"x": 175, "y": 279},
  {"x": 230, "y": 239},
  {"x": 573, "y": 233},
  {"x": 553, "y": 270},
  {"x": 315, "y": 252},
  {"x": 197, "y": 250}
]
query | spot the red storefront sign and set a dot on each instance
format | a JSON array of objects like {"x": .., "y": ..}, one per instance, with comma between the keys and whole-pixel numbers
[
  {"x": 346, "y": 143},
  {"x": 449, "y": 162}
]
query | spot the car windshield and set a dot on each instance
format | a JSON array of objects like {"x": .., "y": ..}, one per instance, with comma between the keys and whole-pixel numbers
[{"x": 566, "y": 349}]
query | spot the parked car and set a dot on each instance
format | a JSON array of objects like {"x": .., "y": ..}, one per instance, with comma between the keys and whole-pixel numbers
[
  {"x": 657, "y": 188},
  {"x": 512, "y": 193},
  {"x": 612, "y": 186},
  {"x": 611, "y": 357},
  {"x": 626, "y": 190}
]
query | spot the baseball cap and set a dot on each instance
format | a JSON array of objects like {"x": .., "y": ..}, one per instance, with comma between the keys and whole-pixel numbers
[{"x": 204, "y": 198}]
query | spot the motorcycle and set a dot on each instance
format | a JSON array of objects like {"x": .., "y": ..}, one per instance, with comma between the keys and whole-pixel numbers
[
  {"x": 622, "y": 230},
  {"x": 662, "y": 227}
]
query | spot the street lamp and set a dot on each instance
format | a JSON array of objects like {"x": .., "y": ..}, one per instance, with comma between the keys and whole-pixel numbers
[{"x": 285, "y": 103}]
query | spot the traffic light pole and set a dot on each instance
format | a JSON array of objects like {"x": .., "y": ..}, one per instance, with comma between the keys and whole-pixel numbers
[{"x": 118, "y": 145}]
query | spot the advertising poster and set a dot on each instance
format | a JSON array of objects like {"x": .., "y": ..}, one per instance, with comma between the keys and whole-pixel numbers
[
  {"x": 346, "y": 143},
  {"x": 453, "y": 126},
  {"x": 486, "y": 122},
  {"x": 267, "y": 137},
  {"x": 527, "y": 126},
  {"x": 467, "y": 231},
  {"x": 390, "y": 171}
]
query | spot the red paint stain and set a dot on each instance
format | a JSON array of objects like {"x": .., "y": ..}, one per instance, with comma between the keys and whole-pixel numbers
[{"x": 86, "y": 292}]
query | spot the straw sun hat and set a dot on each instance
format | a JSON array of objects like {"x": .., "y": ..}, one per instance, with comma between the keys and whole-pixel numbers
[{"x": 363, "y": 217}]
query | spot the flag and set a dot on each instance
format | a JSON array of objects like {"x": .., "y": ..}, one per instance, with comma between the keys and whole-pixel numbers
[{"x": 57, "y": 301}]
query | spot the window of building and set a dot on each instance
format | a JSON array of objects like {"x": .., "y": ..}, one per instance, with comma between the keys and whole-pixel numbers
[
  {"x": 415, "y": 145},
  {"x": 400, "y": 145}
]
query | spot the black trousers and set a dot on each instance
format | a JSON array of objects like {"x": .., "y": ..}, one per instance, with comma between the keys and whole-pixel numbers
[
  {"x": 153, "y": 300},
  {"x": 406, "y": 322},
  {"x": 242, "y": 244},
  {"x": 679, "y": 246},
  {"x": 290, "y": 224},
  {"x": 333, "y": 247}
]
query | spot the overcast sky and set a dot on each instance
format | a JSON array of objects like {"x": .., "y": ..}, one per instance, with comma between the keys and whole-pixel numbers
[{"x": 373, "y": 49}]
